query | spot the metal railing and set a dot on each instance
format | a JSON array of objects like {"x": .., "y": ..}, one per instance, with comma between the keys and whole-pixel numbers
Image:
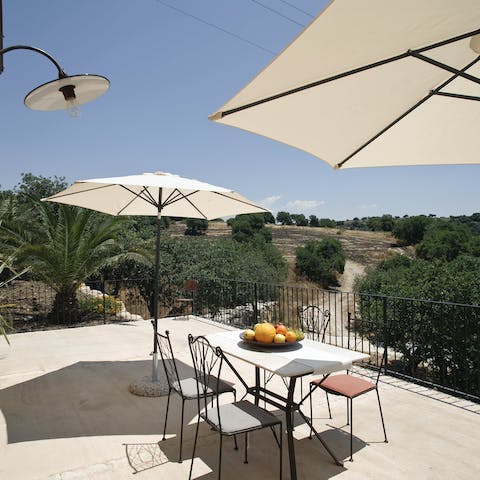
[{"x": 433, "y": 343}]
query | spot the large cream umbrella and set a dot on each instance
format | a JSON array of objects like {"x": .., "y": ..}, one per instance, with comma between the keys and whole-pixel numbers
[
  {"x": 373, "y": 83},
  {"x": 155, "y": 194}
]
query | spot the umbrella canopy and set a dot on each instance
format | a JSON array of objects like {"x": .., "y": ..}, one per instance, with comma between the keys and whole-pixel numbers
[
  {"x": 373, "y": 83},
  {"x": 155, "y": 194}
]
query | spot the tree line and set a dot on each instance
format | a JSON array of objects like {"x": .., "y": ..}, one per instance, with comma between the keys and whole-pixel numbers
[{"x": 383, "y": 223}]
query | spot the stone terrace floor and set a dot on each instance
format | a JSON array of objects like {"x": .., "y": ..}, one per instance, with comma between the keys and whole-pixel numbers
[{"x": 66, "y": 414}]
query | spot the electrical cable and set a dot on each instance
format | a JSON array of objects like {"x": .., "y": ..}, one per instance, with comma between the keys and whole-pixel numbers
[
  {"x": 266, "y": 7},
  {"x": 238, "y": 37},
  {"x": 297, "y": 8}
]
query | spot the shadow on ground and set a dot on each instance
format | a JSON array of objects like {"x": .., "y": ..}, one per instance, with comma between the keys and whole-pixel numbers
[
  {"x": 84, "y": 399},
  {"x": 92, "y": 399}
]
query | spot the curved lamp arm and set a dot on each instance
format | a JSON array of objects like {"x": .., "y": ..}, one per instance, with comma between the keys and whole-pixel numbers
[{"x": 61, "y": 73}]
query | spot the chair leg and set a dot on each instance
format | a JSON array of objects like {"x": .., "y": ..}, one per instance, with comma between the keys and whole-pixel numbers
[
  {"x": 235, "y": 445},
  {"x": 181, "y": 432},
  {"x": 166, "y": 414},
  {"x": 274, "y": 433},
  {"x": 220, "y": 458},
  {"x": 328, "y": 405},
  {"x": 194, "y": 448},
  {"x": 311, "y": 411},
  {"x": 246, "y": 448},
  {"x": 351, "y": 429},
  {"x": 348, "y": 415},
  {"x": 280, "y": 430},
  {"x": 381, "y": 416}
]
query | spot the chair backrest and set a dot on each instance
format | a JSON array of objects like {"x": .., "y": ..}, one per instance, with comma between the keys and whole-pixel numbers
[
  {"x": 207, "y": 363},
  {"x": 190, "y": 287},
  {"x": 166, "y": 354},
  {"x": 367, "y": 338},
  {"x": 379, "y": 368},
  {"x": 314, "y": 321}
]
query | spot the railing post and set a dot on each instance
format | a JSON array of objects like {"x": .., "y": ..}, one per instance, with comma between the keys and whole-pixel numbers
[
  {"x": 104, "y": 306},
  {"x": 348, "y": 329},
  {"x": 255, "y": 302},
  {"x": 385, "y": 335}
]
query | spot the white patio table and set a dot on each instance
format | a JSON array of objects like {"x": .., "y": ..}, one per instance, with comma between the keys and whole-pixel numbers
[{"x": 292, "y": 361}]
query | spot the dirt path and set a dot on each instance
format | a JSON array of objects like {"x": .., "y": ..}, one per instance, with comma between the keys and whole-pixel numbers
[{"x": 352, "y": 270}]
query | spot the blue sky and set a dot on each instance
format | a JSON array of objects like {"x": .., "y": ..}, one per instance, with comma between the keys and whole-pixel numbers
[{"x": 168, "y": 72}]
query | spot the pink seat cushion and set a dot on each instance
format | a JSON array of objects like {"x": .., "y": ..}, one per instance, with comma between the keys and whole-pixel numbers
[{"x": 346, "y": 385}]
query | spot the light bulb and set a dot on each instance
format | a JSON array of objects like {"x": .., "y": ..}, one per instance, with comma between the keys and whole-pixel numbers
[{"x": 73, "y": 107}]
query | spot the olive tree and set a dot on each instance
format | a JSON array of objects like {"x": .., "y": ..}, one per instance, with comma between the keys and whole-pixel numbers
[{"x": 320, "y": 261}]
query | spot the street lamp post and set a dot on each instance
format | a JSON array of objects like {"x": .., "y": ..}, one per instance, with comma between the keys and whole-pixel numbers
[{"x": 64, "y": 93}]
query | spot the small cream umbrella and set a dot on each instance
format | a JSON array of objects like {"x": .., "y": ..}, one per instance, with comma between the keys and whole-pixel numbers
[{"x": 155, "y": 194}]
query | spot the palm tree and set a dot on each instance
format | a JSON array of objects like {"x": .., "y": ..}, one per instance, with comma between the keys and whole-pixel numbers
[
  {"x": 73, "y": 243},
  {"x": 6, "y": 266}
]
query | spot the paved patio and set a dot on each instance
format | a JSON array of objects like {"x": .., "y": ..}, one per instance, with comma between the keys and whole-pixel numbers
[{"x": 66, "y": 414}]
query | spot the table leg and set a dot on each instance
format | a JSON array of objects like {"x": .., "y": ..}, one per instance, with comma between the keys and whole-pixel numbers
[
  {"x": 290, "y": 411},
  {"x": 322, "y": 441},
  {"x": 257, "y": 385}
]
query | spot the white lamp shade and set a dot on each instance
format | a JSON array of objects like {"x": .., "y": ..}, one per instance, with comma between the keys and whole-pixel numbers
[{"x": 49, "y": 97}]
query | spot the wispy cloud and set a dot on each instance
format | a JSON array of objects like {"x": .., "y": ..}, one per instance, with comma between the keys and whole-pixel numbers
[
  {"x": 304, "y": 205},
  {"x": 270, "y": 201},
  {"x": 367, "y": 206}
]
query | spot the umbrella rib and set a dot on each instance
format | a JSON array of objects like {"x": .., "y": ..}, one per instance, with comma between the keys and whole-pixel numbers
[
  {"x": 185, "y": 197},
  {"x": 149, "y": 197},
  {"x": 410, "y": 110},
  {"x": 137, "y": 195},
  {"x": 69, "y": 194},
  {"x": 174, "y": 196},
  {"x": 219, "y": 115},
  {"x": 445, "y": 67},
  {"x": 442, "y": 43},
  {"x": 241, "y": 201},
  {"x": 457, "y": 95}
]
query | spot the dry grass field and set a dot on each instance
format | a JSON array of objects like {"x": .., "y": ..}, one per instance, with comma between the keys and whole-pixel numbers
[{"x": 363, "y": 249}]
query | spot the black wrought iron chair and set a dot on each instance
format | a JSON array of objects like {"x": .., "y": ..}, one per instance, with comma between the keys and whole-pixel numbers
[
  {"x": 314, "y": 321},
  {"x": 228, "y": 419},
  {"x": 349, "y": 386},
  {"x": 186, "y": 388},
  {"x": 185, "y": 302}
]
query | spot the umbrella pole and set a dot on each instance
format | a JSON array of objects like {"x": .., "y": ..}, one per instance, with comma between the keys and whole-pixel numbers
[
  {"x": 155, "y": 297},
  {"x": 151, "y": 387}
]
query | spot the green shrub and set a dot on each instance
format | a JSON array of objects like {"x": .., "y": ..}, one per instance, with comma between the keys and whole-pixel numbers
[
  {"x": 442, "y": 338},
  {"x": 99, "y": 305},
  {"x": 320, "y": 261},
  {"x": 412, "y": 229}
]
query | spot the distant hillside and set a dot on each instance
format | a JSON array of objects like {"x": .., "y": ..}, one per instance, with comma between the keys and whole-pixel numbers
[{"x": 364, "y": 248}]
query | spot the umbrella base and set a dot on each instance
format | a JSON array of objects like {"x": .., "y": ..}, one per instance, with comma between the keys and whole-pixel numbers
[{"x": 146, "y": 388}]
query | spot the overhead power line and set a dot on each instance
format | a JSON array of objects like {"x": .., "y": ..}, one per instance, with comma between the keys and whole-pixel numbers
[
  {"x": 205, "y": 22},
  {"x": 266, "y": 7},
  {"x": 297, "y": 8}
]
